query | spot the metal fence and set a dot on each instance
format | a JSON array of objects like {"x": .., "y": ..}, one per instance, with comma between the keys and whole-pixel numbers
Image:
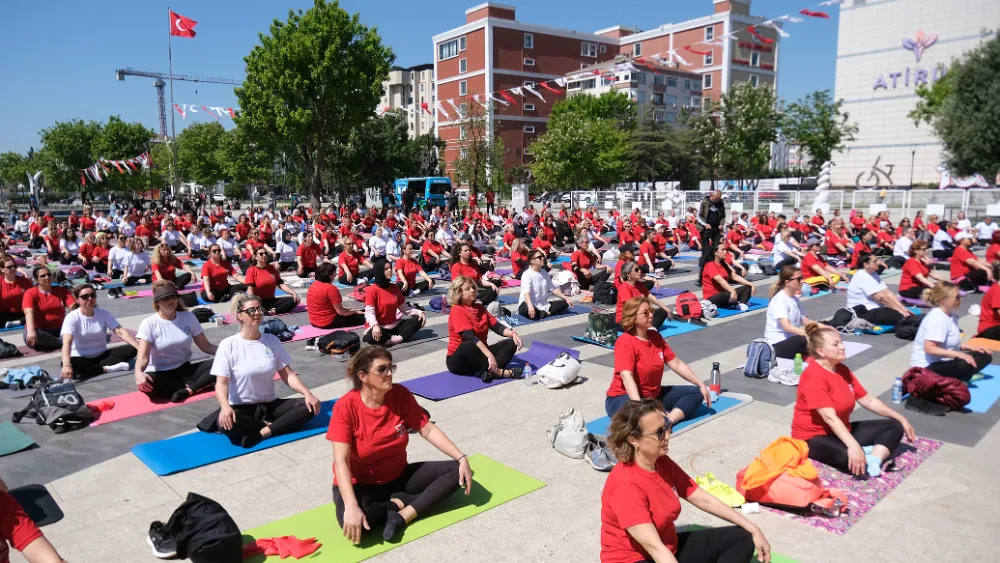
[{"x": 899, "y": 203}]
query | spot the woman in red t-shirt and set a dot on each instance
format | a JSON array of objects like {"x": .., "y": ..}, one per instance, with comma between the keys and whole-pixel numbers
[
  {"x": 18, "y": 530},
  {"x": 433, "y": 252},
  {"x": 836, "y": 242},
  {"x": 989, "y": 312},
  {"x": 44, "y": 309},
  {"x": 649, "y": 259},
  {"x": 325, "y": 304},
  {"x": 468, "y": 325},
  {"x": 823, "y": 405},
  {"x": 99, "y": 254},
  {"x": 165, "y": 266},
  {"x": 640, "y": 502},
  {"x": 816, "y": 272},
  {"x": 969, "y": 272},
  {"x": 463, "y": 266},
  {"x": 215, "y": 275},
  {"x": 717, "y": 283},
  {"x": 581, "y": 263},
  {"x": 263, "y": 278},
  {"x": 12, "y": 288},
  {"x": 407, "y": 270},
  {"x": 389, "y": 320},
  {"x": 993, "y": 250},
  {"x": 630, "y": 285},
  {"x": 519, "y": 258},
  {"x": 350, "y": 262},
  {"x": 917, "y": 276}
]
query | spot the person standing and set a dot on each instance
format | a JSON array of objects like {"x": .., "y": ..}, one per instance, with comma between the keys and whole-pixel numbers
[{"x": 711, "y": 214}]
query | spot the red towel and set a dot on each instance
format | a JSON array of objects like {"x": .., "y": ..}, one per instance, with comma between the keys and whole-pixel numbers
[{"x": 284, "y": 547}]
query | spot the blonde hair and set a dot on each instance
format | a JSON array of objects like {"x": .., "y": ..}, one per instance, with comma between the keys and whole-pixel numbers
[
  {"x": 630, "y": 309},
  {"x": 456, "y": 287},
  {"x": 816, "y": 335},
  {"x": 156, "y": 253},
  {"x": 239, "y": 299},
  {"x": 940, "y": 292}
]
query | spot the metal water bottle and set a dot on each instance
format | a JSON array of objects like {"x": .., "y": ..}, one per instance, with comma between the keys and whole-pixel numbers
[
  {"x": 716, "y": 381},
  {"x": 897, "y": 391}
]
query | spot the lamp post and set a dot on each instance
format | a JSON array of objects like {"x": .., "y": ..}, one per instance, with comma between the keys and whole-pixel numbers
[{"x": 913, "y": 158}]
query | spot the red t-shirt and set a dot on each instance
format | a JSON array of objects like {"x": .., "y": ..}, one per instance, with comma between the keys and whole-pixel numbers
[
  {"x": 959, "y": 268},
  {"x": 264, "y": 280},
  {"x": 911, "y": 268},
  {"x": 646, "y": 361},
  {"x": 385, "y": 301},
  {"x": 543, "y": 245},
  {"x": 988, "y": 309},
  {"x": 50, "y": 308},
  {"x": 992, "y": 253},
  {"x": 584, "y": 259},
  {"x": 633, "y": 496},
  {"x": 87, "y": 223},
  {"x": 817, "y": 220},
  {"x": 16, "y": 527},
  {"x": 832, "y": 239},
  {"x": 309, "y": 254},
  {"x": 765, "y": 231},
  {"x": 349, "y": 260},
  {"x": 734, "y": 237},
  {"x": 431, "y": 246},
  {"x": 467, "y": 270},
  {"x": 12, "y": 294},
  {"x": 508, "y": 239},
  {"x": 515, "y": 257},
  {"x": 168, "y": 271},
  {"x": 100, "y": 253},
  {"x": 646, "y": 248},
  {"x": 628, "y": 291},
  {"x": 378, "y": 437},
  {"x": 820, "y": 388},
  {"x": 217, "y": 275},
  {"x": 473, "y": 317},
  {"x": 808, "y": 261},
  {"x": 860, "y": 247},
  {"x": 625, "y": 237},
  {"x": 321, "y": 298},
  {"x": 709, "y": 286},
  {"x": 143, "y": 231},
  {"x": 410, "y": 270}
]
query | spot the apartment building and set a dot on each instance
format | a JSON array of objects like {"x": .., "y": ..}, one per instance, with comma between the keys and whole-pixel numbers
[{"x": 410, "y": 88}]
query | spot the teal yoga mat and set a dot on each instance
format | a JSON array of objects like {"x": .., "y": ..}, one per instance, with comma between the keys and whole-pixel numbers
[
  {"x": 755, "y": 304},
  {"x": 724, "y": 404},
  {"x": 13, "y": 440}
]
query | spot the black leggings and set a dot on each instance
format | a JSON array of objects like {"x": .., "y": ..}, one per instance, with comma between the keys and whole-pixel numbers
[
  {"x": 993, "y": 333},
  {"x": 729, "y": 544},
  {"x": 961, "y": 369},
  {"x": 422, "y": 485},
  {"x": 281, "y": 415},
  {"x": 181, "y": 280},
  {"x": 486, "y": 295},
  {"x": 194, "y": 376},
  {"x": 914, "y": 292},
  {"x": 596, "y": 277},
  {"x": 795, "y": 344},
  {"x": 281, "y": 305},
  {"x": 663, "y": 265},
  {"x": 287, "y": 266},
  {"x": 721, "y": 299},
  {"x": 406, "y": 328},
  {"x": 790, "y": 261},
  {"x": 556, "y": 306},
  {"x": 830, "y": 450},
  {"x": 882, "y": 316},
  {"x": 222, "y": 295},
  {"x": 84, "y": 368},
  {"x": 367, "y": 273},
  {"x": 659, "y": 317},
  {"x": 345, "y": 321},
  {"x": 468, "y": 359},
  {"x": 47, "y": 340},
  {"x": 11, "y": 318},
  {"x": 973, "y": 280},
  {"x": 135, "y": 280},
  {"x": 422, "y": 285}
]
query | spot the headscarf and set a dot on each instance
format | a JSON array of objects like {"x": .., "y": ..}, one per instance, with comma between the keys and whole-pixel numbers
[{"x": 380, "y": 279}]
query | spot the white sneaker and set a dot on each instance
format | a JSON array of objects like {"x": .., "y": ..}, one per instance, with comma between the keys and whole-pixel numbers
[
  {"x": 120, "y": 366},
  {"x": 744, "y": 307},
  {"x": 783, "y": 376},
  {"x": 415, "y": 292},
  {"x": 12, "y": 324}
]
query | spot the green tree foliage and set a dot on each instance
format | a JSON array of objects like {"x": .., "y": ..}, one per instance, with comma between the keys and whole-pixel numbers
[
  {"x": 482, "y": 164},
  {"x": 68, "y": 147},
  {"x": 931, "y": 100},
  {"x": 609, "y": 105},
  {"x": 819, "y": 125},
  {"x": 13, "y": 169},
  {"x": 653, "y": 148},
  {"x": 581, "y": 153},
  {"x": 120, "y": 140},
  {"x": 424, "y": 151},
  {"x": 244, "y": 160},
  {"x": 706, "y": 140},
  {"x": 311, "y": 84},
  {"x": 200, "y": 153},
  {"x": 235, "y": 191},
  {"x": 750, "y": 118}
]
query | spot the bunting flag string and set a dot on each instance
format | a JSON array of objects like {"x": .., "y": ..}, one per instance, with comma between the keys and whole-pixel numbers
[
  {"x": 758, "y": 36},
  {"x": 509, "y": 98},
  {"x": 517, "y": 91},
  {"x": 534, "y": 92},
  {"x": 125, "y": 166},
  {"x": 791, "y": 19},
  {"x": 214, "y": 111},
  {"x": 831, "y": 3},
  {"x": 423, "y": 105},
  {"x": 440, "y": 108},
  {"x": 457, "y": 109},
  {"x": 813, "y": 14},
  {"x": 479, "y": 101},
  {"x": 776, "y": 28},
  {"x": 500, "y": 100}
]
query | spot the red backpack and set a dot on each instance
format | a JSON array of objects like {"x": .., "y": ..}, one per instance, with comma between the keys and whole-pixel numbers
[{"x": 687, "y": 306}]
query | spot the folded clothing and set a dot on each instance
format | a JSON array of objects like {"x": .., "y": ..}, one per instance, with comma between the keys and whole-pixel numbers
[{"x": 285, "y": 546}]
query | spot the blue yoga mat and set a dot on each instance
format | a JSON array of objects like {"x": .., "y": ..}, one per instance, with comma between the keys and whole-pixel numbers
[
  {"x": 986, "y": 391},
  {"x": 723, "y": 403},
  {"x": 445, "y": 385},
  {"x": 666, "y": 291},
  {"x": 755, "y": 304},
  {"x": 685, "y": 258},
  {"x": 667, "y": 330},
  {"x": 173, "y": 455},
  {"x": 521, "y": 320}
]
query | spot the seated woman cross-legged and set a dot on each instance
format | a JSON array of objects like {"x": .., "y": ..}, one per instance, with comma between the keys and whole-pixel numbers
[
  {"x": 785, "y": 325},
  {"x": 816, "y": 272},
  {"x": 263, "y": 279},
  {"x": 989, "y": 313},
  {"x": 823, "y": 405},
  {"x": 870, "y": 298},
  {"x": 536, "y": 286},
  {"x": 216, "y": 273},
  {"x": 12, "y": 288},
  {"x": 917, "y": 278},
  {"x": 388, "y": 319},
  {"x": 407, "y": 269},
  {"x": 244, "y": 367},
  {"x": 641, "y": 354},
  {"x": 325, "y": 305},
  {"x": 166, "y": 266},
  {"x": 630, "y": 286},
  {"x": 463, "y": 265},
  {"x": 85, "y": 351},
  {"x": 469, "y": 324},
  {"x": 374, "y": 485},
  {"x": 716, "y": 284},
  {"x": 938, "y": 344},
  {"x": 44, "y": 309},
  {"x": 640, "y": 502},
  {"x": 967, "y": 271}
]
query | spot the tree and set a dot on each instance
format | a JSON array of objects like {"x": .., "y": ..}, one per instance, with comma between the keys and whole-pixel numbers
[
  {"x": 652, "y": 146},
  {"x": 931, "y": 100},
  {"x": 609, "y": 105},
  {"x": 13, "y": 169},
  {"x": 750, "y": 118},
  {"x": 235, "y": 191},
  {"x": 311, "y": 84},
  {"x": 819, "y": 125},
  {"x": 243, "y": 160},
  {"x": 703, "y": 133},
  {"x": 68, "y": 147},
  {"x": 481, "y": 156},
  {"x": 199, "y": 154},
  {"x": 424, "y": 151},
  {"x": 120, "y": 140},
  {"x": 577, "y": 152}
]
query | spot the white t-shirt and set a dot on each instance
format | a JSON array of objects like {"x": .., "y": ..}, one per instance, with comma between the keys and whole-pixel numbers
[
  {"x": 538, "y": 286},
  {"x": 964, "y": 225},
  {"x": 170, "y": 340},
  {"x": 780, "y": 251},
  {"x": 937, "y": 327},
  {"x": 863, "y": 285},
  {"x": 939, "y": 237},
  {"x": 250, "y": 365},
  {"x": 117, "y": 257},
  {"x": 89, "y": 333},
  {"x": 70, "y": 246},
  {"x": 781, "y": 307},
  {"x": 902, "y": 247},
  {"x": 286, "y": 250},
  {"x": 206, "y": 242},
  {"x": 170, "y": 237},
  {"x": 138, "y": 264},
  {"x": 445, "y": 237},
  {"x": 986, "y": 231},
  {"x": 228, "y": 246}
]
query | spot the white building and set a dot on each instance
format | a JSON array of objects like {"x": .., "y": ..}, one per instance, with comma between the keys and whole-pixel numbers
[
  {"x": 885, "y": 48},
  {"x": 409, "y": 89}
]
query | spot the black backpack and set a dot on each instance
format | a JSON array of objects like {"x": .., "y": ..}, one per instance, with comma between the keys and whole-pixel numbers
[
  {"x": 339, "y": 342},
  {"x": 203, "y": 531},
  {"x": 908, "y": 327},
  {"x": 59, "y": 406},
  {"x": 203, "y": 314},
  {"x": 605, "y": 293},
  {"x": 278, "y": 328},
  {"x": 8, "y": 350}
]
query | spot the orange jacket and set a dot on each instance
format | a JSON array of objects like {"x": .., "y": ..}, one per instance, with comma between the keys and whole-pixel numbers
[{"x": 785, "y": 455}]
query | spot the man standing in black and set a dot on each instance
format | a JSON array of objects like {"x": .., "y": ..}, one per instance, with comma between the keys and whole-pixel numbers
[{"x": 711, "y": 215}]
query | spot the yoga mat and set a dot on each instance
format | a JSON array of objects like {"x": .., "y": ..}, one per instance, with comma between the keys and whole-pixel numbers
[
  {"x": 149, "y": 292},
  {"x": 850, "y": 349},
  {"x": 12, "y": 329},
  {"x": 445, "y": 385},
  {"x": 864, "y": 494},
  {"x": 187, "y": 451},
  {"x": 511, "y": 300},
  {"x": 493, "y": 484},
  {"x": 136, "y": 403},
  {"x": 755, "y": 304},
  {"x": 914, "y": 302},
  {"x": 727, "y": 402},
  {"x": 668, "y": 330},
  {"x": 309, "y": 331},
  {"x": 987, "y": 343},
  {"x": 300, "y": 308},
  {"x": 986, "y": 391},
  {"x": 13, "y": 440},
  {"x": 38, "y": 504},
  {"x": 666, "y": 291}
]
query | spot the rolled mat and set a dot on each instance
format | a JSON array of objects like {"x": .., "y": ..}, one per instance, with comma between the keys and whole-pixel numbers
[
  {"x": 181, "y": 453},
  {"x": 725, "y": 403},
  {"x": 38, "y": 504},
  {"x": 13, "y": 440},
  {"x": 988, "y": 343},
  {"x": 755, "y": 304},
  {"x": 445, "y": 385},
  {"x": 309, "y": 331},
  {"x": 120, "y": 407},
  {"x": 985, "y": 391},
  {"x": 493, "y": 484}
]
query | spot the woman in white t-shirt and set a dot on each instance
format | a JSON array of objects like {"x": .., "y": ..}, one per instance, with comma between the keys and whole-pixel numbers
[
  {"x": 163, "y": 366},
  {"x": 868, "y": 295},
  {"x": 69, "y": 247},
  {"x": 938, "y": 344},
  {"x": 784, "y": 254},
  {"x": 244, "y": 368},
  {"x": 286, "y": 249},
  {"x": 138, "y": 268},
  {"x": 117, "y": 256},
  {"x": 536, "y": 286},
  {"x": 785, "y": 328},
  {"x": 85, "y": 351}
]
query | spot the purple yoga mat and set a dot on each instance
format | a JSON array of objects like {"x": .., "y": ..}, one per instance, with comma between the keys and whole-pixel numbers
[
  {"x": 446, "y": 385},
  {"x": 666, "y": 291}
]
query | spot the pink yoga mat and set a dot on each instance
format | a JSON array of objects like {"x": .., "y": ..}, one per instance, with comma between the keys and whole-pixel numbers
[
  {"x": 300, "y": 308},
  {"x": 149, "y": 292},
  {"x": 134, "y": 404},
  {"x": 309, "y": 331}
]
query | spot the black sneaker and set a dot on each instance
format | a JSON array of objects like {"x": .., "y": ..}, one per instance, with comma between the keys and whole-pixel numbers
[
  {"x": 113, "y": 293},
  {"x": 163, "y": 544},
  {"x": 486, "y": 376}
]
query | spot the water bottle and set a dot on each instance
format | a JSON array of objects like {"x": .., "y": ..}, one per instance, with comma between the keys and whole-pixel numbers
[
  {"x": 716, "y": 381},
  {"x": 798, "y": 364},
  {"x": 897, "y": 391},
  {"x": 529, "y": 379}
]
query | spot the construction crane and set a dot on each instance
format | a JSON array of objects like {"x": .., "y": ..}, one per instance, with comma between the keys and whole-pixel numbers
[{"x": 159, "y": 83}]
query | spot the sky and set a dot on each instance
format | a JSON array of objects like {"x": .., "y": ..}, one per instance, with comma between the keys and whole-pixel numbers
[{"x": 57, "y": 58}]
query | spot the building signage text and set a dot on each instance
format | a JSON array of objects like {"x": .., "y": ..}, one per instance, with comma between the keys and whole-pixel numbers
[{"x": 915, "y": 76}]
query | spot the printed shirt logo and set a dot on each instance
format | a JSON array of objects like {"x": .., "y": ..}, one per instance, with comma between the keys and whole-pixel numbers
[
  {"x": 187, "y": 330},
  {"x": 400, "y": 429},
  {"x": 919, "y": 43}
]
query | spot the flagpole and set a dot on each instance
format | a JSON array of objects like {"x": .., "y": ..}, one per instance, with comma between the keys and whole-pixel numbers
[{"x": 175, "y": 184}]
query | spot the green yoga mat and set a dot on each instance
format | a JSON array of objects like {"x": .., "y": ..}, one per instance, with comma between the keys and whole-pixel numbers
[
  {"x": 493, "y": 485},
  {"x": 13, "y": 440},
  {"x": 775, "y": 557}
]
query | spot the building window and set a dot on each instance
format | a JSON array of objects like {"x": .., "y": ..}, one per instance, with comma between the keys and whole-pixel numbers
[
  {"x": 687, "y": 84},
  {"x": 529, "y": 128},
  {"x": 463, "y": 88},
  {"x": 463, "y": 134},
  {"x": 529, "y": 62},
  {"x": 658, "y": 99},
  {"x": 696, "y": 102},
  {"x": 637, "y": 49},
  {"x": 640, "y": 77},
  {"x": 640, "y": 96},
  {"x": 461, "y": 43},
  {"x": 529, "y": 107},
  {"x": 709, "y": 58},
  {"x": 672, "y": 100},
  {"x": 754, "y": 80},
  {"x": 706, "y": 82},
  {"x": 449, "y": 49},
  {"x": 588, "y": 49},
  {"x": 696, "y": 85},
  {"x": 755, "y": 59},
  {"x": 659, "y": 79},
  {"x": 671, "y": 82},
  {"x": 687, "y": 101},
  {"x": 463, "y": 153},
  {"x": 709, "y": 33},
  {"x": 421, "y": 88},
  {"x": 529, "y": 41},
  {"x": 671, "y": 117},
  {"x": 659, "y": 115},
  {"x": 606, "y": 81},
  {"x": 463, "y": 66}
]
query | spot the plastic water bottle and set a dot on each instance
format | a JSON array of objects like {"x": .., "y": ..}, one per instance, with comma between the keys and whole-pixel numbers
[
  {"x": 716, "y": 382},
  {"x": 897, "y": 391},
  {"x": 798, "y": 364},
  {"x": 529, "y": 378}
]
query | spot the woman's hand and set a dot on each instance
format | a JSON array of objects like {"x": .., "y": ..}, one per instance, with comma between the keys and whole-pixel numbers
[
  {"x": 753, "y": 289},
  {"x": 968, "y": 358},
  {"x": 406, "y": 286},
  {"x": 32, "y": 338},
  {"x": 143, "y": 382},
  {"x": 465, "y": 475},
  {"x": 517, "y": 339},
  {"x": 976, "y": 349},
  {"x": 856, "y": 460},
  {"x": 312, "y": 403},
  {"x": 706, "y": 394},
  {"x": 760, "y": 543},
  {"x": 354, "y": 519},
  {"x": 531, "y": 311},
  {"x": 733, "y": 298},
  {"x": 227, "y": 417},
  {"x": 67, "y": 371},
  {"x": 908, "y": 430},
  {"x": 208, "y": 293},
  {"x": 491, "y": 363},
  {"x": 377, "y": 332}
]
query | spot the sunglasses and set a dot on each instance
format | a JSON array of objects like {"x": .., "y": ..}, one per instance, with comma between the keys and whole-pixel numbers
[
  {"x": 87, "y": 296},
  {"x": 9, "y": 266},
  {"x": 43, "y": 276},
  {"x": 383, "y": 369},
  {"x": 795, "y": 279},
  {"x": 216, "y": 251},
  {"x": 662, "y": 431},
  {"x": 252, "y": 310}
]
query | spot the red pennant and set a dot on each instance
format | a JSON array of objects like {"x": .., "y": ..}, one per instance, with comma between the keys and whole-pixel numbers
[
  {"x": 131, "y": 164},
  {"x": 210, "y": 113},
  {"x": 508, "y": 97},
  {"x": 549, "y": 88},
  {"x": 641, "y": 60},
  {"x": 83, "y": 178},
  {"x": 761, "y": 38},
  {"x": 426, "y": 108},
  {"x": 702, "y": 53},
  {"x": 813, "y": 14},
  {"x": 118, "y": 165}
]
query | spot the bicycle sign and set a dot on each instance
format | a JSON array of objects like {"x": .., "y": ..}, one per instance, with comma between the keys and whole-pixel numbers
[{"x": 875, "y": 174}]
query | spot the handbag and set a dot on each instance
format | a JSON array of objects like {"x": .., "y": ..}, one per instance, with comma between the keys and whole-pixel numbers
[
  {"x": 560, "y": 372},
  {"x": 569, "y": 436}
]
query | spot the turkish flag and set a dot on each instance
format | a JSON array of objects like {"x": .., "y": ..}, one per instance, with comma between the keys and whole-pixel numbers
[{"x": 181, "y": 26}]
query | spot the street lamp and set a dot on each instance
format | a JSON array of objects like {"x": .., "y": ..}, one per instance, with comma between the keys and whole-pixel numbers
[{"x": 913, "y": 158}]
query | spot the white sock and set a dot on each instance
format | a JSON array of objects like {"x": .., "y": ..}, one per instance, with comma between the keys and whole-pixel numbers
[{"x": 120, "y": 366}]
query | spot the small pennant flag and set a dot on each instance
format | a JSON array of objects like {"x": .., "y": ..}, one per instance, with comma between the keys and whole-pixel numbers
[{"x": 813, "y": 14}]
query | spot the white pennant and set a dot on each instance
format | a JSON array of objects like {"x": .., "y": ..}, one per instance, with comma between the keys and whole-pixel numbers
[
  {"x": 673, "y": 54},
  {"x": 561, "y": 82},
  {"x": 791, "y": 19},
  {"x": 457, "y": 110},
  {"x": 535, "y": 92},
  {"x": 831, "y": 2},
  {"x": 499, "y": 100},
  {"x": 440, "y": 108},
  {"x": 478, "y": 101},
  {"x": 776, "y": 27},
  {"x": 517, "y": 90}
]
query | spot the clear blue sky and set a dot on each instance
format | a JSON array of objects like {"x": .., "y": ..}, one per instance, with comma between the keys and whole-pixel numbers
[{"x": 58, "y": 57}]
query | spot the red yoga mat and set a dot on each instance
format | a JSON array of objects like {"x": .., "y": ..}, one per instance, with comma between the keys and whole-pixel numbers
[{"x": 135, "y": 403}]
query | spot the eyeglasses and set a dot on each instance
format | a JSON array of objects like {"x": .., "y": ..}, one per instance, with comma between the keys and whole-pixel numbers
[
  {"x": 795, "y": 279},
  {"x": 662, "y": 431},
  {"x": 383, "y": 369},
  {"x": 9, "y": 266},
  {"x": 252, "y": 310},
  {"x": 43, "y": 276},
  {"x": 86, "y": 296},
  {"x": 216, "y": 251},
  {"x": 646, "y": 312}
]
